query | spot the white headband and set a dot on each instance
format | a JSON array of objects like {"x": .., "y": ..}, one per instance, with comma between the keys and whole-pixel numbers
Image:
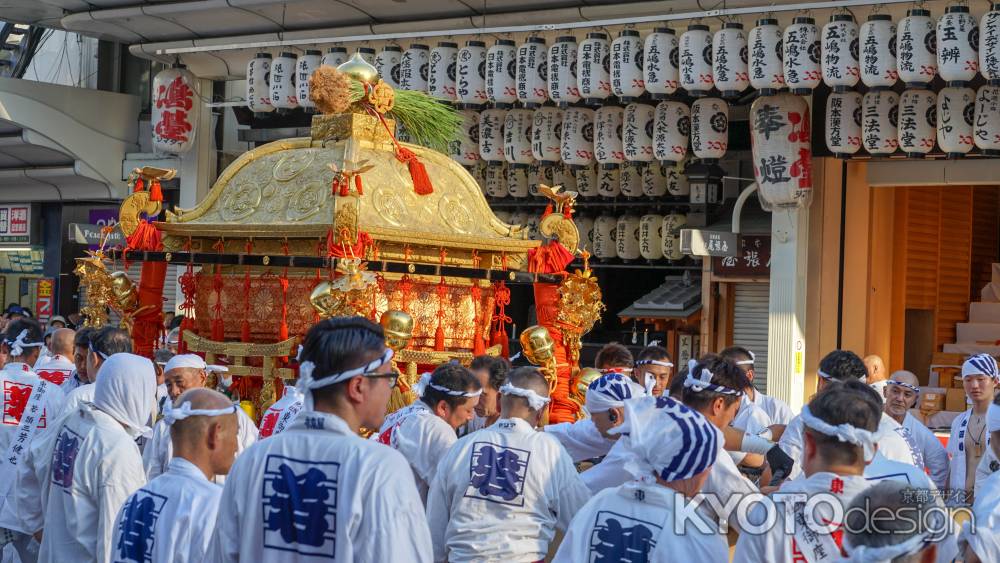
[
  {"x": 615, "y": 370},
  {"x": 654, "y": 363},
  {"x": 193, "y": 361},
  {"x": 610, "y": 391},
  {"x": 903, "y": 384},
  {"x": 18, "y": 345},
  {"x": 703, "y": 382},
  {"x": 993, "y": 418},
  {"x": 307, "y": 384},
  {"x": 843, "y": 432},
  {"x": 885, "y": 553},
  {"x": 981, "y": 364},
  {"x": 829, "y": 377},
  {"x": 172, "y": 414},
  {"x": 535, "y": 401},
  {"x": 425, "y": 383}
]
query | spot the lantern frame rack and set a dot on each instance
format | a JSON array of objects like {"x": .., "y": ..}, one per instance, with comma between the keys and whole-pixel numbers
[{"x": 611, "y": 204}]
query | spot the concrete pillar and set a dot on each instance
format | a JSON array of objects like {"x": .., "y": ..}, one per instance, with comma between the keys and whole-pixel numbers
[
  {"x": 787, "y": 317},
  {"x": 197, "y": 171}
]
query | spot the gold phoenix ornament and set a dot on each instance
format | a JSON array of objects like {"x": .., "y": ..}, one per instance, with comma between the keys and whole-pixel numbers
[
  {"x": 349, "y": 294},
  {"x": 579, "y": 308},
  {"x": 98, "y": 284},
  {"x": 556, "y": 224}
]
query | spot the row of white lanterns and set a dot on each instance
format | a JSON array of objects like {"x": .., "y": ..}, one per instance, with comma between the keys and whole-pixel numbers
[
  {"x": 841, "y": 54},
  {"x": 655, "y": 181}
]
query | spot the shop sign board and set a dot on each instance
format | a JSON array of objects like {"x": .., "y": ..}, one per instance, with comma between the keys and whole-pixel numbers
[
  {"x": 701, "y": 242},
  {"x": 44, "y": 296},
  {"x": 752, "y": 259},
  {"x": 15, "y": 223}
]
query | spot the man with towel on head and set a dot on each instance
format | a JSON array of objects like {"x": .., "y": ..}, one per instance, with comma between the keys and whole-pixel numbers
[
  {"x": 58, "y": 365},
  {"x": 172, "y": 518},
  {"x": 605, "y": 402},
  {"x": 183, "y": 372},
  {"x": 901, "y": 392},
  {"x": 653, "y": 369},
  {"x": 81, "y": 343},
  {"x": 894, "y": 540},
  {"x": 776, "y": 410},
  {"x": 969, "y": 436},
  {"x": 502, "y": 492}
]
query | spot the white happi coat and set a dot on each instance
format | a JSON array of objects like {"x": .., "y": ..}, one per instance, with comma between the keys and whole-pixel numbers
[
  {"x": 986, "y": 541},
  {"x": 319, "y": 492},
  {"x": 636, "y": 522},
  {"x": 501, "y": 493},
  {"x": 956, "y": 450},
  {"x": 422, "y": 437},
  {"x": 72, "y": 382},
  {"x": 724, "y": 482},
  {"x": 55, "y": 369},
  {"x": 581, "y": 439},
  {"x": 751, "y": 419},
  {"x": 159, "y": 450},
  {"x": 929, "y": 449},
  {"x": 610, "y": 472},
  {"x": 169, "y": 520},
  {"x": 774, "y": 408},
  {"x": 477, "y": 423},
  {"x": 281, "y": 414},
  {"x": 775, "y": 546}
]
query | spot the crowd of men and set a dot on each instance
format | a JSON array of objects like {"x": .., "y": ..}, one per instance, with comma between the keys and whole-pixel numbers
[{"x": 110, "y": 456}]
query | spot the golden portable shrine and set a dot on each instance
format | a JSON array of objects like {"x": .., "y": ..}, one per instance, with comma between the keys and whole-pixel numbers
[{"x": 349, "y": 221}]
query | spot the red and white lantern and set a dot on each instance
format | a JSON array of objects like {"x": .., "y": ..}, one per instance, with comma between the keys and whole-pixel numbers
[
  {"x": 878, "y": 52},
  {"x": 175, "y": 110},
  {"x": 501, "y": 73},
  {"x": 562, "y": 71},
  {"x": 782, "y": 154},
  {"x": 843, "y": 123},
  {"x": 587, "y": 184},
  {"x": 651, "y": 237},
  {"x": 670, "y": 230},
  {"x": 626, "y": 66},
  {"x": 605, "y": 230},
  {"x": 696, "y": 60},
  {"x": 637, "y": 132},
  {"x": 956, "y": 110},
  {"x": 627, "y": 239},
  {"x": 608, "y": 144},
  {"x": 532, "y": 72},
  {"x": 957, "y": 46},
  {"x": 730, "y": 70},
  {"x": 538, "y": 175},
  {"x": 670, "y": 135},
  {"x": 491, "y": 142},
  {"x": 577, "y": 146},
  {"x": 989, "y": 44},
  {"x": 987, "y": 127},
  {"x": 879, "y": 122},
  {"x": 766, "y": 69},
  {"x": 495, "y": 180},
  {"x": 801, "y": 62},
  {"x": 660, "y": 63},
  {"x": 517, "y": 182},
  {"x": 546, "y": 135},
  {"x": 258, "y": 90},
  {"x": 917, "y": 126},
  {"x": 630, "y": 180},
  {"x": 609, "y": 180},
  {"x": 465, "y": 149},
  {"x": 517, "y": 137},
  {"x": 841, "y": 70},
  {"x": 709, "y": 128},
  {"x": 414, "y": 67},
  {"x": 307, "y": 64},
  {"x": 470, "y": 81},
  {"x": 387, "y": 62},
  {"x": 654, "y": 180},
  {"x": 441, "y": 77},
  {"x": 916, "y": 52},
  {"x": 335, "y": 56},
  {"x": 283, "y": 93},
  {"x": 593, "y": 74}
]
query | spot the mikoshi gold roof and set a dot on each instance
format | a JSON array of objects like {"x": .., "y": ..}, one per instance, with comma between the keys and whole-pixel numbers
[{"x": 282, "y": 190}]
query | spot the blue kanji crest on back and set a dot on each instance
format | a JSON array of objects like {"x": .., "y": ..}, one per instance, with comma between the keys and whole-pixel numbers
[
  {"x": 300, "y": 505},
  {"x": 136, "y": 531},
  {"x": 617, "y": 538},
  {"x": 64, "y": 457},
  {"x": 497, "y": 473}
]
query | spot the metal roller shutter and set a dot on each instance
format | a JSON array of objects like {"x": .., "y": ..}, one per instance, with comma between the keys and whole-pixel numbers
[{"x": 750, "y": 326}]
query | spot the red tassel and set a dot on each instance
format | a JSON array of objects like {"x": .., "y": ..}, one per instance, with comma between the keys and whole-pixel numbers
[
  {"x": 345, "y": 188},
  {"x": 418, "y": 173},
  {"x": 245, "y": 331},
  {"x": 439, "y": 338},
  {"x": 548, "y": 210},
  {"x": 139, "y": 185},
  {"x": 567, "y": 212},
  {"x": 218, "y": 330},
  {"x": 155, "y": 191},
  {"x": 357, "y": 184}
]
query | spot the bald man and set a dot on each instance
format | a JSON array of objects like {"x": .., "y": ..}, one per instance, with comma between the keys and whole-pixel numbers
[
  {"x": 877, "y": 374},
  {"x": 58, "y": 365},
  {"x": 173, "y": 517},
  {"x": 901, "y": 392}
]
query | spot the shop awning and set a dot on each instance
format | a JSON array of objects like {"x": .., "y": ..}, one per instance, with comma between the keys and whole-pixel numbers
[{"x": 676, "y": 298}]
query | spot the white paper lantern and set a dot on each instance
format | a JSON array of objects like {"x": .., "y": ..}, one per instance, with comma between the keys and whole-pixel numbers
[
  {"x": 414, "y": 67},
  {"x": 801, "y": 62},
  {"x": 538, "y": 175},
  {"x": 517, "y": 181},
  {"x": 284, "y": 96},
  {"x": 654, "y": 180},
  {"x": 841, "y": 70},
  {"x": 651, "y": 236},
  {"x": 585, "y": 225},
  {"x": 709, "y": 128},
  {"x": 989, "y": 43},
  {"x": 387, "y": 62},
  {"x": 661, "y": 54},
  {"x": 670, "y": 136},
  {"x": 609, "y": 180},
  {"x": 496, "y": 180},
  {"x": 517, "y": 137},
  {"x": 501, "y": 73},
  {"x": 917, "y": 126},
  {"x": 175, "y": 110},
  {"x": 987, "y": 128},
  {"x": 306, "y": 65},
  {"x": 630, "y": 180},
  {"x": 565, "y": 176},
  {"x": 956, "y": 110},
  {"x": 532, "y": 72},
  {"x": 465, "y": 149},
  {"x": 677, "y": 183},
  {"x": 477, "y": 172},
  {"x": 368, "y": 54},
  {"x": 880, "y": 118},
  {"x": 608, "y": 146},
  {"x": 546, "y": 135},
  {"x": 878, "y": 52},
  {"x": 605, "y": 232},
  {"x": 491, "y": 143},
  {"x": 258, "y": 95},
  {"x": 441, "y": 77},
  {"x": 782, "y": 154},
  {"x": 531, "y": 221},
  {"x": 627, "y": 238},
  {"x": 562, "y": 71},
  {"x": 843, "y": 123},
  {"x": 470, "y": 82},
  {"x": 730, "y": 70},
  {"x": 766, "y": 70},
  {"x": 594, "y": 68},
  {"x": 577, "y": 146},
  {"x": 626, "y": 66},
  {"x": 957, "y": 46},
  {"x": 587, "y": 184},
  {"x": 916, "y": 51},
  {"x": 696, "y": 60},
  {"x": 637, "y": 132},
  {"x": 335, "y": 56},
  {"x": 671, "y": 233}
]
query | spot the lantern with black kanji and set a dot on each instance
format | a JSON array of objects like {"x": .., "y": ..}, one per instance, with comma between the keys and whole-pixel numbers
[
  {"x": 491, "y": 124},
  {"x": 917, "y": 125},
  {"x": 654, "y": 180},
  {"x": 766, "y": 72},
  {"x": 517, "y": 181},
  {"x": 879, "y": 121},
  {"x": 517, "y": 137},
  {"x": 387, "y": 62},
  {"x": 709, "y": 128},
  {"x": 989, "y": 44},
  {"x": 916, "y": 48},
  {"x": 650, "y": 236},
  {"x": 577, "y": 146},
  {"x": 495, "y": 180},
  {"x": 532, "y": 72},
  {"x": 335, "y": 56},
  {"x": 368, "y": 54},
  {"x": 627, "y": 239},
  {"x": 660, "y": 63},
  {"x": 593, "y": 74},
  {"x": 630, "y": 180},
  {"x": 626, "y": 66},
  {"x": 987, "y": 126},
  {"x": 956, "y": 111},
  {"x": 284, "y": 97},
  {"x": 562, "y": 71},
  {"x": 670, "y": 230},
  {"x": 677, "y": 183},
  {"x": 501, "y": 73},
  {"x": 546, "y": 135},
  {"x": 413, "y": 68},
  {"x": 696, "y": 60},
  {"x": 587, "y": 183},
  {"x": 637, "y": 133},
  {"x": 465, "y": 149},
  {"x": 609, "y": 180},
  {"x": 729, "y": 60},
  {"x": 843, "y": 123},
  {"x": 801, "y": 62},
  {"x": 605, "y": 229},
  {"x": 608, "y": 122},
  {"x": 308, "y": 63},
  {"x": 841, "y": 70},
  {"x": 441, "y": 76},
  {"x": 671, "y": 130},
  {"x": 175, "y": 110},
  {"x": 258, "y": 95},
  {"x": 782, "y": 154},
  {"x": 878, "y": 52},
  {"x": 470, "y": 74},
  {"x": 957, "y": 46}
]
